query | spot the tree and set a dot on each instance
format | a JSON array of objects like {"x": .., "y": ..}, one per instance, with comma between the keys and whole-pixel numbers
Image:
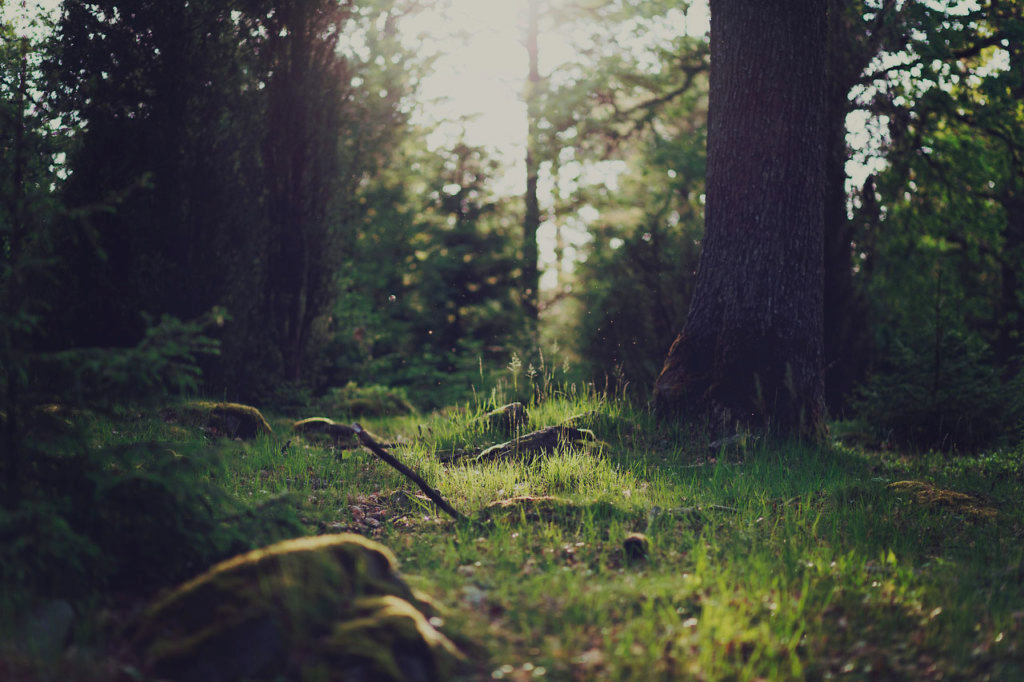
[
  {"x": 751, "y": 351},
  {"x": 432, "y": 289},
  {"x": 308, "y": 90},
  {"x": 947, "y": 231},
  {"x": 174, "y": 153},
  {"x": 531, "y": 217}
]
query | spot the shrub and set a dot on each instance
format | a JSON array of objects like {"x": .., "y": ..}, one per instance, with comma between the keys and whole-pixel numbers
[
  {"x": 947, "y": 396},
  {"x": 366, "y": 401}
]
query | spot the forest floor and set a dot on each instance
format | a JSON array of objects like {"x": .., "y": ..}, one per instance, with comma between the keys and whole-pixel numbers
[{"x": 759, "y": 563}]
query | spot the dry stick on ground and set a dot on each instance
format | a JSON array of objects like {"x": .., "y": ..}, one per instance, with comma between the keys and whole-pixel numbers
[{"x": 370, "y": 444}]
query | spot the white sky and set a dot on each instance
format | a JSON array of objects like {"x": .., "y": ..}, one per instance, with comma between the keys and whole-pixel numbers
[{"x": 477, "y": 84}]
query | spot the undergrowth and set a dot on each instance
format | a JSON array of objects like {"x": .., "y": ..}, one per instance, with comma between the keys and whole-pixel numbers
[{"x": 781, "y": 562}]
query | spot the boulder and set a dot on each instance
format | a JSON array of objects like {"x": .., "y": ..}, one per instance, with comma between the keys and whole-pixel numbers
[
  {"x": 341, "y": 434},
  {"x": 233, "y": 420},
  {"x": 507, "y": 419},
  {"x": 636, "y": 546},
  {"x": 365, "y": 401},
  {"x": 333, "y": 607}
]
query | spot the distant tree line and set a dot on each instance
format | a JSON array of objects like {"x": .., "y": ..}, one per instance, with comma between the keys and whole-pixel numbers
[
  {"x": 162, "y": 160},
  {"x": 253, "y": 159}
]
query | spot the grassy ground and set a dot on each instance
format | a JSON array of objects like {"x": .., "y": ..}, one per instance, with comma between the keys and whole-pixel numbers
[{"x": 777, "y": 563}]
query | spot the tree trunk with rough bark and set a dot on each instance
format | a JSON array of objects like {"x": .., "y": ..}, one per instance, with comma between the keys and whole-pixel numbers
[{"x": 751, "y": 352}]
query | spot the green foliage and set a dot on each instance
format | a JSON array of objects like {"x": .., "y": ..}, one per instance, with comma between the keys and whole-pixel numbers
[
  {"x": 941, "y": 238},
  {"x": 947, "y": 394},
  {"x": 446, "y": 302},
  {"x": 779, "y": 563},
  {"x": 252, "y": 164},
  {"x": 633, "y": 110},
  {"x": 368, "y": 401},
  {"x": 635, "y": 286},
  {"x": 123, "y": 518}
]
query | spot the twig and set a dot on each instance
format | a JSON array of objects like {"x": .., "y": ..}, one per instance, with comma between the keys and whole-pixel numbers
[{"x": 370, "y": 444}]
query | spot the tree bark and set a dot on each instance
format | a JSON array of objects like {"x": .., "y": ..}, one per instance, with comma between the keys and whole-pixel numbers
[{"x": 751, "y": 352}]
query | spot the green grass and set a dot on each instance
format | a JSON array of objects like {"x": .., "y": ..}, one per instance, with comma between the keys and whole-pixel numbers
[{"x": 771, "y": 563}]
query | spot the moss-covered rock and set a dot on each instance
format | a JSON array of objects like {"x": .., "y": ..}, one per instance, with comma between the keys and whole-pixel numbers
[
  {"x": 297, "y": 606},
  {"x": 233, "y": 420},
  {"x": 386, "y": 638},
  {"x": 341, "y": 434},
  {"x": 636, "y": 546},
  {"x": 929, "y": 495},
  {"x": 507, "y": 419},
  {"x": 366, "y": 401}
]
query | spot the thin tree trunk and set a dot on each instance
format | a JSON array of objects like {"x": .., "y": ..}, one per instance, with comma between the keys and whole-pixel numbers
[
  {"x": 531, "y": 220},
  {"x": 751, "y": 352}
]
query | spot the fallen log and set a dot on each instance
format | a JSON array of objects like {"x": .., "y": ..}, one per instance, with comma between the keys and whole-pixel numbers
[{"x": 528, "y": 446}]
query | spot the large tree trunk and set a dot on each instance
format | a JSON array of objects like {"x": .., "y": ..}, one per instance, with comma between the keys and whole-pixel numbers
[{"x": 751, "y": 354}]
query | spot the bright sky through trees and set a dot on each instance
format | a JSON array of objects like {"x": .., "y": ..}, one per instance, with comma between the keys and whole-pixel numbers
[
  {"x": 476, "y": 86},
  {"x": 475, "y": 91}
]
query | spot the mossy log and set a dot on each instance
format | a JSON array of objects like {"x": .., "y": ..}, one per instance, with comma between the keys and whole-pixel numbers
[{"x": 333, "y": 604}]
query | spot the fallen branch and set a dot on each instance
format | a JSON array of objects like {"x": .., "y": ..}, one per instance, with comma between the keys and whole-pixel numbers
[{"x": 370, "y": 444}]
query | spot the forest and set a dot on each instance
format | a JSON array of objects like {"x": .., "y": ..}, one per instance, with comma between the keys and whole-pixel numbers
[{"x": 694, "y": 352}]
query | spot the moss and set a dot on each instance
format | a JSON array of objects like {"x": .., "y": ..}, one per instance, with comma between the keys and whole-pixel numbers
[
  {"x": 255, "y": 615},
  {"x": 931, "y": 496},
  {"x": 366, "y": 401},
  {"x": 387, "y": 639},
  {"x": 233, "y": 420},
  {"x": 507, "y": 419},
  {"x": 313, "y": 426}
]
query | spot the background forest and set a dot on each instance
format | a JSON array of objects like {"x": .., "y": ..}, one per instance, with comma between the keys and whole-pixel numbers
[
  {"x": 271, "y": 203},
  {"x": 256, "y": 170}
]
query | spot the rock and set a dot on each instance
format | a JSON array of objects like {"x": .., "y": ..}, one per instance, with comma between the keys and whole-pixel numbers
[
  {"x": 386, "y": 638},
  {"x": 341, "y": 434},
  {"x": 929, "y": 495},
  {"x": 233, "y": 420},
  {"x": 545, "y": 441},
  {"x": 507, "y": 419},
  {"x": 636, "y": 546},
  {"x": 365, "y": 401},
  {"x": 333, "y": 606}
]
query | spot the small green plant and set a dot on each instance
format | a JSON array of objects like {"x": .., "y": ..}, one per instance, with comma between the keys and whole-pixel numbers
[{"x": 366, "y": 401}]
